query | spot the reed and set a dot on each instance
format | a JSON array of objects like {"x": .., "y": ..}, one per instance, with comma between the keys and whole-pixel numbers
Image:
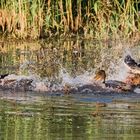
[{"x": 91, "y": 18}]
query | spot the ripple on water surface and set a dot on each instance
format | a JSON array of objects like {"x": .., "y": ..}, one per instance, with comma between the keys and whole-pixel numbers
[{"x": 42, "y": 116}]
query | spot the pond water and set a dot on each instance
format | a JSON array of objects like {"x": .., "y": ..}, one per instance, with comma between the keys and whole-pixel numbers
[
  {"x": 56, "y": 116},
  {"x": 67, "y": 117}
]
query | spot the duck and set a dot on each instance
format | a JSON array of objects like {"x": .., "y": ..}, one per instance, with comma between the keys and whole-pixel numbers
[
  {"x": 2, "y": 76},
  {"x": 134, "y": 71},
  {"x": 132, "y": 65},
  {"x": 14, "y": 82},
  {"x": 114, "y": 84},
  {"x": 99, "y": 85},
  {"x": 133, "y": 79}
]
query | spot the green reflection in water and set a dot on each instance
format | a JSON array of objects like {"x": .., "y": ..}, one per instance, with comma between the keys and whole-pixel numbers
[
  {"x": 65, "y": 118},
  {"x": 46, "y": 59}
]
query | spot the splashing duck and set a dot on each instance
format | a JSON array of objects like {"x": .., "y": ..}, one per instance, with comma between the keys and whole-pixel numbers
[
  {"x": 134, "y": 71},
  {"x": 14, "y": 82},
  {"x": 114, "y": 84},
  {"x": 132, "y": 65}
]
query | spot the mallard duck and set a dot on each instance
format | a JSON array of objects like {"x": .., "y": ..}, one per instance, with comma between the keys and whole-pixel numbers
[
  {"x": 132, "y": 65},
  {"x": 101, "y": 76},
  {"x": 134, "y": 74},
  {"x": 133, "y": 79},
  {"x": 16, "y": 83}
]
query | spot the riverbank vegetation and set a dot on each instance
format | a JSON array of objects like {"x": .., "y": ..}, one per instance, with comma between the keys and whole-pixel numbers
[{"x": 102, "y": 19}]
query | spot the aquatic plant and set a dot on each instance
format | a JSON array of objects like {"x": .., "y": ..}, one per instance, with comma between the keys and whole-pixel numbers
[{"x": 90, "y": 19}]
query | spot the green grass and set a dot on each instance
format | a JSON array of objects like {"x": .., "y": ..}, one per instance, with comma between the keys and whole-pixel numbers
[{"x": 90, "y": 19}]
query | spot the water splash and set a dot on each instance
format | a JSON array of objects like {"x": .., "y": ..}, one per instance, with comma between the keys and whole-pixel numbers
[
  {"x": 108, "y": 58},
  {"x": 82, "y": 79},
  {"x": 121, "y": 72}
]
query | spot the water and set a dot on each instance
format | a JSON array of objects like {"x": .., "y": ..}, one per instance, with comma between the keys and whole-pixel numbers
[
  {"x": 55, "y": 116},
  {"x": 66, "y": 117}
]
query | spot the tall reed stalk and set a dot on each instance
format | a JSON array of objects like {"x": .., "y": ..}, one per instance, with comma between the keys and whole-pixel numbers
[{"x": 90, "y": 18}]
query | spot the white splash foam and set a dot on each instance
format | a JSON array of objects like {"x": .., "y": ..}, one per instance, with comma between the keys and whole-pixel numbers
[
  {"x": 137, "y": 90},
  {"x": 41, "y": 86},
  {"x": 121, "y": 73},
  {"x": 18, "y": 77},
  {"x": 78, "y": 80}
]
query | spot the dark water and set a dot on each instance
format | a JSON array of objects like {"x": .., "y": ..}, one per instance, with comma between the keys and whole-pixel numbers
[{"x": 55, "y": 116}]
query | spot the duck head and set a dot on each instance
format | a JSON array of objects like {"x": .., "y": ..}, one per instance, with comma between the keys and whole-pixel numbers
[
  {"x": 130, "y": 61},
  {"x": 100, "y": 76}
]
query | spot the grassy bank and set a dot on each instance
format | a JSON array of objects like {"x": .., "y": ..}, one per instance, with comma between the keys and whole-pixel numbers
[{"x": 88, "y": 18}]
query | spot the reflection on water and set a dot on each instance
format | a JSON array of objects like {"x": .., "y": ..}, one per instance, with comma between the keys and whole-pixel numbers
[
  {"x": 56, "y": 60},
  {"x": 65, "y": 117},
  {"x": 79, "y": 117}
]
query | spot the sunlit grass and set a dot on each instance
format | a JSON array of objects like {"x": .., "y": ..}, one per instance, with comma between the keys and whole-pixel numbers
[{"x": 91, "y": 19}]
